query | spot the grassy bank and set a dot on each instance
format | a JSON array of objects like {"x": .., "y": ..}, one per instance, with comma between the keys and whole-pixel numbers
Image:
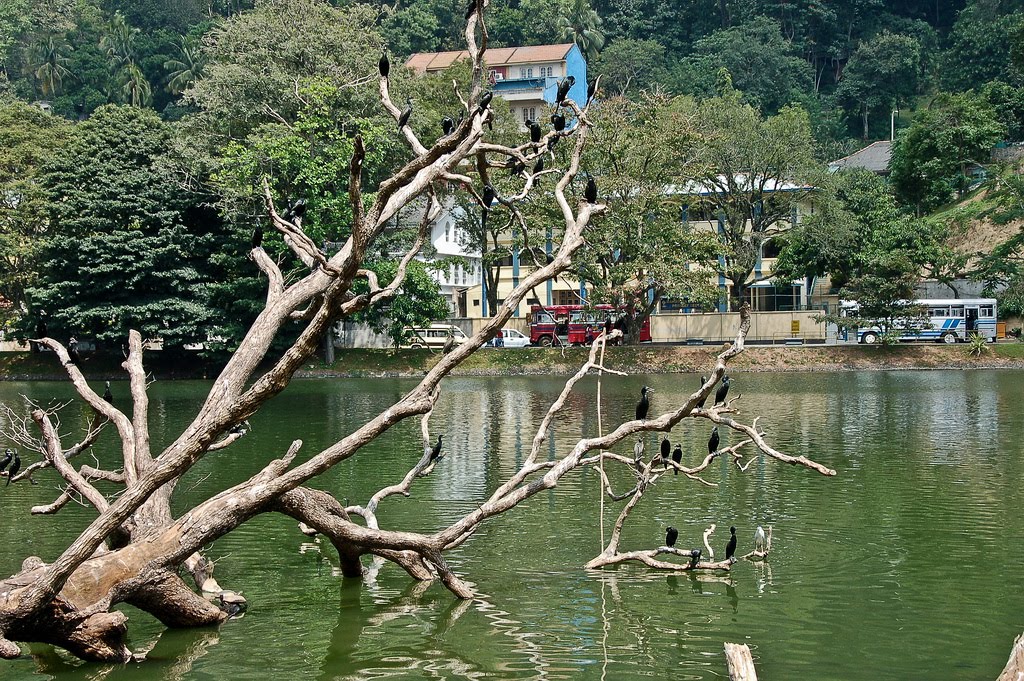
[
  {"x": 646, "y": 359},
  {"x": 650, "y": 359}
]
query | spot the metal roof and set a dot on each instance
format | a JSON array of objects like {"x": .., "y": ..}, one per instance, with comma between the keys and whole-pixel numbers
[
  {"x": 874, "y": 157},
  {"x": 497, "y": 56}
]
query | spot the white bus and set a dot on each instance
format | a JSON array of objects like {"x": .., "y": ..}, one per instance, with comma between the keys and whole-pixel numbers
[{"x": 947, "y": 320}]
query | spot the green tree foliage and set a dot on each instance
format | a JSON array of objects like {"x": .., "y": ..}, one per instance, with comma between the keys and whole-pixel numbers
[
  {"x": 980, "y": 47},
  {"x": 881, "y": 75},
  {"x": 763, "y": 65},
  {"x": 753, "y": 172},
  {"x": 49, "y": 64},
  {"x": 127, "y": 248},
  {"x": 28, "y": 138},
  {"x": 582, "y": 25},
  {"x": 935, "y": 156},
  {"x": 873, "y": 250},
  {"x": 628, "y": 66},
  {"x": 642, "y": 252},
  {"x": 186, "y": 68},
  {"x": 419, "y": 304}
]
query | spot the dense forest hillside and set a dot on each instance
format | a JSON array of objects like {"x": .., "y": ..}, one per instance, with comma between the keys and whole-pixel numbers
[
  {"x": 848, "y": 63},
  {"x": 226, "y": 92}
]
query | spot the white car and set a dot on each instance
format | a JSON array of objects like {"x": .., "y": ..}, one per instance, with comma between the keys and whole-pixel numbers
[{"x": 510, "y": 339}]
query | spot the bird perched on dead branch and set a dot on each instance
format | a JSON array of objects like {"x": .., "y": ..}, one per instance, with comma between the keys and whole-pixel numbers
[
  {"x": 666, "y": 448},
  {"x": 694, "y": 557},
  {"x": 644, "y": 404},
  {"x": 73, "y": 356},
  {"x": 8, "y": 457},
  {"x": 535, "y": 131},
  {"x": 485, "y": 101},
  {"x": 638, "y": 452},
  {"x": 558, "y": 121},
  {"x": 435, "y": 453},
  {"x": 107, "y": 395},
  {"x": 722, "y": 391},
  {"x": 590, "y": 193},
  {"x": 403, "y": 119},
  {"x": 384, "y": 65},
  {"x": 759, "y": 539},
  {"x": 15, "y": 467},
  {"x": 730, "y": 548},
  {"x": 677, "y": 456},
  {"x": 563, "y": 89},
  {"x": 713, "y": 441},
  {"x": 671, "y": 534},
  {"x": 703, "y": 380}
]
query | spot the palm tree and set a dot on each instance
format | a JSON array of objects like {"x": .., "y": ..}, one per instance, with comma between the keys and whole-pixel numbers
[
  {"x": 134, "y": 86},
  {"x": 127, "y": 81},
  {"x": 582, "y": 25},
  {"x": 187, "y": 69},
  {"x": 49, "y": 61},
  {"x": 119, "y": 42}
]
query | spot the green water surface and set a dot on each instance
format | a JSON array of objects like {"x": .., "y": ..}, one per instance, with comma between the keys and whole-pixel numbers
[{"x": 907, "y": 565}]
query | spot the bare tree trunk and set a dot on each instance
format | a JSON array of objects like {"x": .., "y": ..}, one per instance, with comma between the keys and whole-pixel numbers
[{"x": 741, "y": 663}]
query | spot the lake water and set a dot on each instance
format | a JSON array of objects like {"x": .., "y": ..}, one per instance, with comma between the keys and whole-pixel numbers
[{"x": 907, "y": 565}]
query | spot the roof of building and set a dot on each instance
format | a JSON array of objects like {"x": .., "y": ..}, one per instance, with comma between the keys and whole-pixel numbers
[
  {"x": 741, "y": 180},
  {"x": 874, "y": 157},
  {"x": 495, "y": 56}
]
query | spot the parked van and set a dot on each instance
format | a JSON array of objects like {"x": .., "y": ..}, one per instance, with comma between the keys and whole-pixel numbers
[{"x": 433, "y": 336}]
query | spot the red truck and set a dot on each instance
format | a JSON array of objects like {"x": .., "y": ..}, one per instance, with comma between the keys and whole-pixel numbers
[{"x": 576, "y": 324}]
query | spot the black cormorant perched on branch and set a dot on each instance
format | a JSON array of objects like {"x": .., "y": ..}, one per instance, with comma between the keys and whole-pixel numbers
[
  {"x": 591, "y": 90},
  {"x": 257, "y": 237},
  {"x": 590, "y": 193},
  {"x": 8, "y": 457},
  {"x": 538, "y": 166},
  {"x": 384, "y": 64},
  {"x": 485, "y": 101},
  {"x": 535, "y": 131},
  {"x": 666, "y": 448},
  {"x": 447, "y": 125},
  {"x": 435, "y": 453},
  {"x": 563, "y": 89},
  {"x": 703, "y": 380},
  {"x": 713, "y": 441},
  {"x": 730, "y": 548},
  {"x": 723, "y": 390},
  {"x": 406, "y": 113},
  {"x": 558, "y": 121},
  {"x": 73, "y": 356},
  {"x": 671, "y": 534},
  {"x": 677, "y": 456},
  {"x": 107, "y": 395},
  {"x": 15, "y": 467},
  {"x": 296, "y": 211},
  {"x": 489, "y": 195},
  {"x": 644, "y": 404},
  {"x": 694, "y": 557},
  {"x": 471, "y": 9}
]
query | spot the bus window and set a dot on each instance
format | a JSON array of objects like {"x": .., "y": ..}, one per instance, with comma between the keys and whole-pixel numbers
[
  {"x": 543, "y": 318},
  {"x": 986, "y": 311},
  {"x": 938, "y": 312},
  {"x": 956, "y": 311}
]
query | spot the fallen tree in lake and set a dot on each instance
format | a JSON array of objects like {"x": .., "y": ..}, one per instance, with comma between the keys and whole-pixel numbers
[{"x": 136, "y": 549}]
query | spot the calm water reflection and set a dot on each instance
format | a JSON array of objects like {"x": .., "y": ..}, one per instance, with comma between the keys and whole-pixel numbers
[{"x": 906, "y": 565}]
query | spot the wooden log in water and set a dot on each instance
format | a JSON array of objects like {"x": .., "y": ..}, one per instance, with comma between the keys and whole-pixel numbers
[
  {"x": 741, "y": 664},
  {"x": 1014, "y": 669}
]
